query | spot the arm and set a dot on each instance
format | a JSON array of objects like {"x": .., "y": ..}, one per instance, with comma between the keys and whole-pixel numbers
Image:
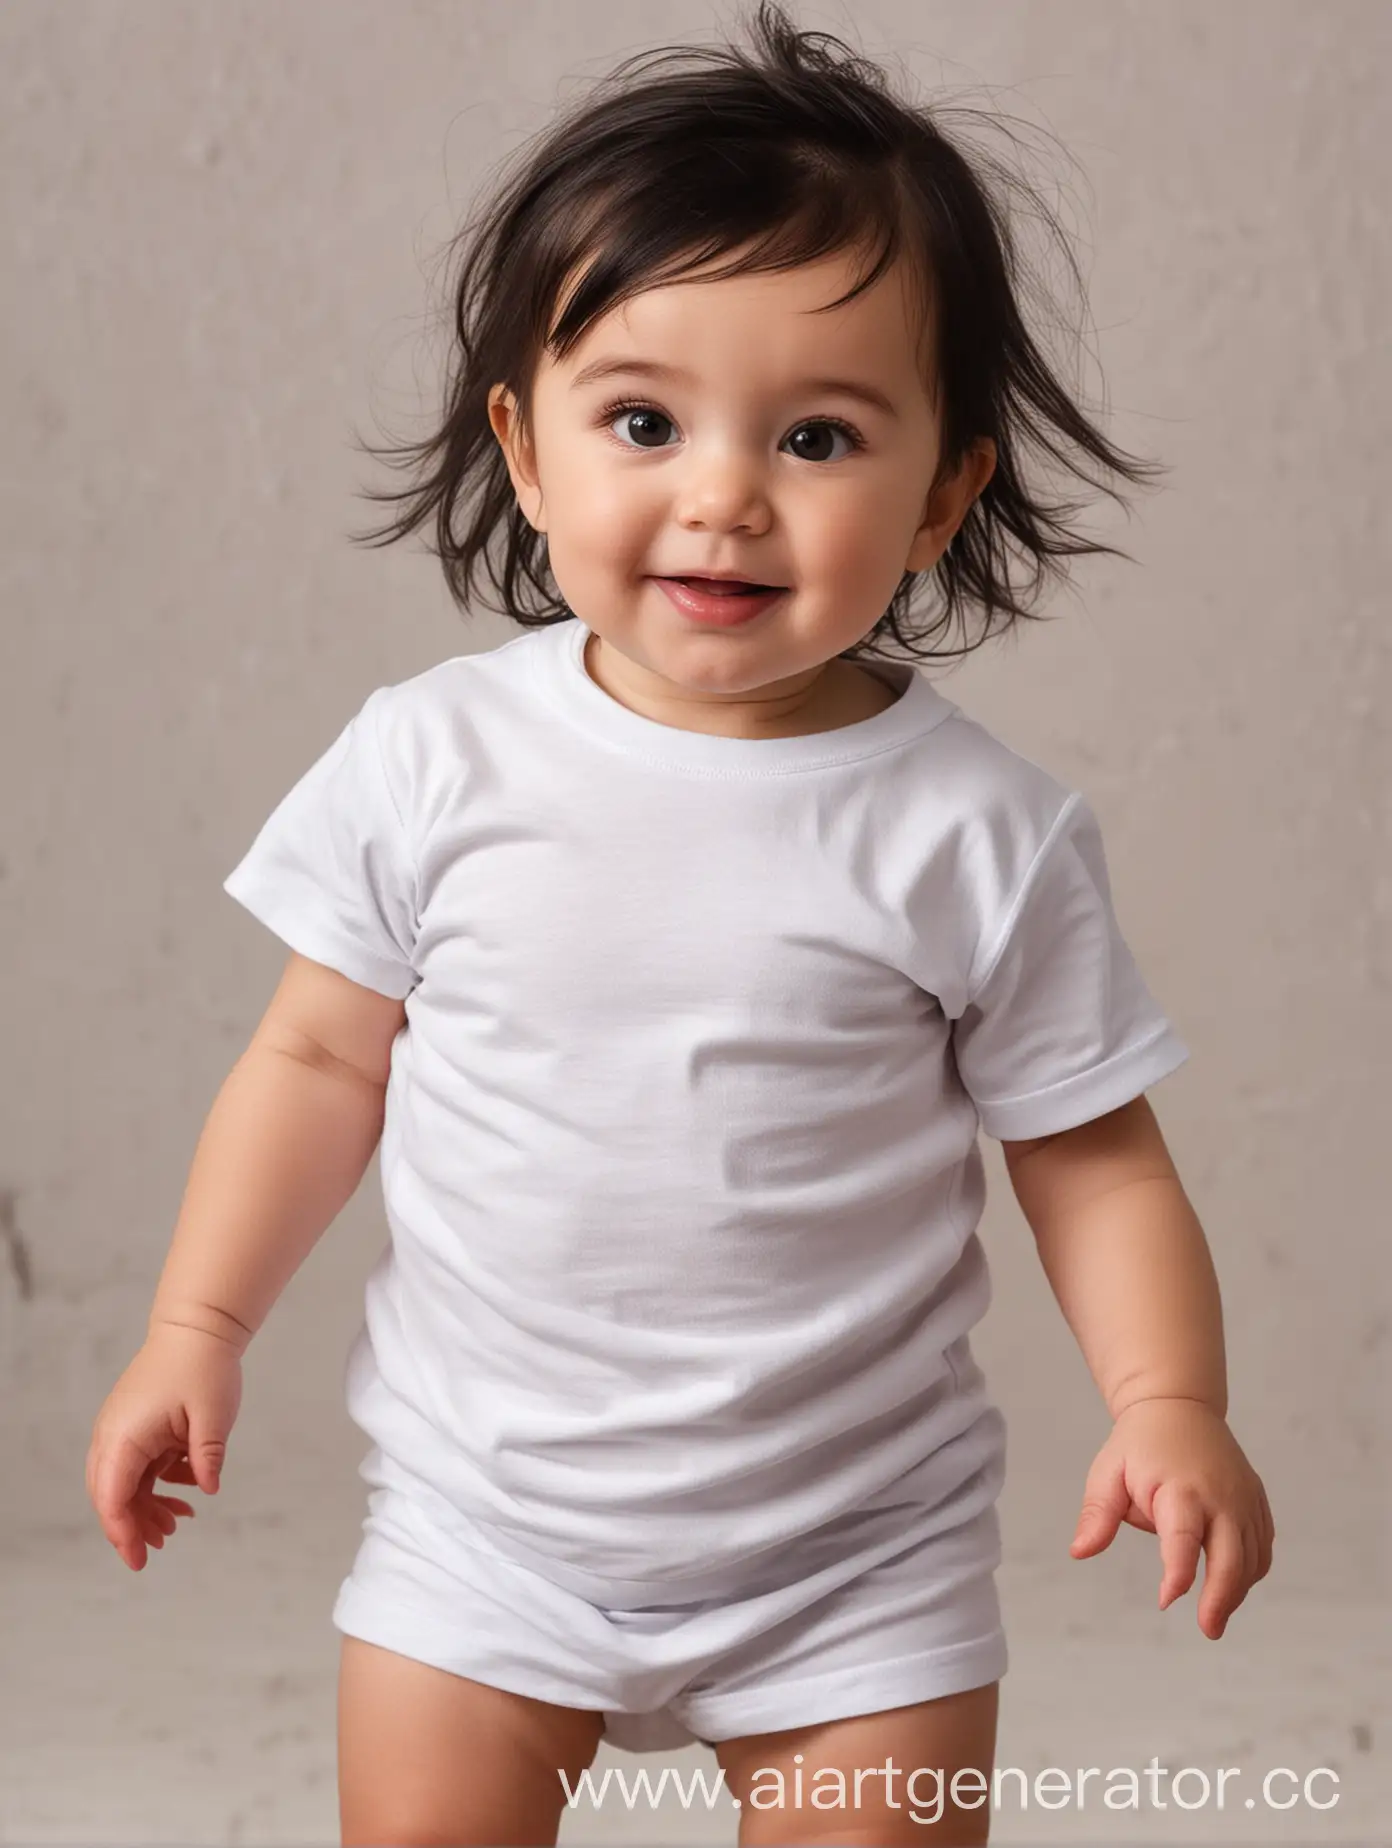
[
  {"x": 282, "y": 1152},
  {"x": 1126, "y": 1258},
  {"x": 1129, "y": 1264}
]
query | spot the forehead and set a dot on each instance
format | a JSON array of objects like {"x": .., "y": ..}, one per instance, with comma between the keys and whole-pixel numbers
[{"x": 762, "y": 326}]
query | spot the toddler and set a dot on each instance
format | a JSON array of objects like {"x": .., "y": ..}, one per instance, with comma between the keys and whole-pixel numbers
[{"x": 677, "y": 950}]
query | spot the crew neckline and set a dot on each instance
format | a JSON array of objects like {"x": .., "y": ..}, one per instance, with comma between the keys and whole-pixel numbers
[{"x": 558, "y": 665}]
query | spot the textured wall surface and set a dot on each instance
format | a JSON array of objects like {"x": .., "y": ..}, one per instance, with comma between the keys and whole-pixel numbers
[{"x": 220, "y": 224}]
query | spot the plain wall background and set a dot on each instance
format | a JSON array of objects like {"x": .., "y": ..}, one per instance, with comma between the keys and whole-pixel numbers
[{"x": 222, "y": 224}]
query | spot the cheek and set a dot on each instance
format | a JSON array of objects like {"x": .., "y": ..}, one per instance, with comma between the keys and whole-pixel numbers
[
  {"x": 608, "y": 520},
  {"x": 602, "y": 543},
  {"x": 843, "y": 533}
]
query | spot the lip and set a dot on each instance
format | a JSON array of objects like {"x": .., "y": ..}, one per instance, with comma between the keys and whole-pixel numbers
[
  {"x": 725, "y": 610},
  {"x": 720, "y": 577}
]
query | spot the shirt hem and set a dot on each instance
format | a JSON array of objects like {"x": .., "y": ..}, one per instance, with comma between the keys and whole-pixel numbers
[
  {"x": 306, "y": 939},
  {"x": 1089, "y": 1094}
]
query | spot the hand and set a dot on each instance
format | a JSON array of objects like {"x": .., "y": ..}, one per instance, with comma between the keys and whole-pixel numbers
[
  {"x": 167, "y": 1418},
  {"x": 1172, "y": 1467}
]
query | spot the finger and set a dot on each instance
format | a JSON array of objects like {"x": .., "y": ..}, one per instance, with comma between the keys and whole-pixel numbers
[
  {"x": 120, "y": 1469},
  {"x": 1179, "y": 1525},
  {"x": 1251, "y": 1553},
  {"x": 159, "y": 1513},
  {"x": 207, "y": 1450},
  {"x": 132, "y": 1549},
  {"x": 174, "y": 1506},
  {"x": 162, "y": 1520},
  {"x": 1106, "y": 1499},
  {"x": 154, "y": 1521},
  {"x": 1223, "y": 1586},
  {"x": 1266, "y": 1535}
]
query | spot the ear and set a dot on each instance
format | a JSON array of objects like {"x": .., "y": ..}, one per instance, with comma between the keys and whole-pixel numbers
[
  {"x": 950, "y": 503},
  {"x": 519, "y": 455}
]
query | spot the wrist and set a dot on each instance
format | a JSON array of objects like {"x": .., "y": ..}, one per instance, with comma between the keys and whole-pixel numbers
[
  {"x": 199, "y": 1319},
  {"x": 1210, "y": 1402}
]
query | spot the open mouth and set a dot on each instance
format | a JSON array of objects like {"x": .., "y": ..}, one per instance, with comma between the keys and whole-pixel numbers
[
  {"x": 718, "y": 600},
  {"x": 723, "y": 587}
]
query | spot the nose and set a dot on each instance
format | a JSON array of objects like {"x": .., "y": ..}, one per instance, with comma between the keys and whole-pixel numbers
[{"x": 724, "y": 491}]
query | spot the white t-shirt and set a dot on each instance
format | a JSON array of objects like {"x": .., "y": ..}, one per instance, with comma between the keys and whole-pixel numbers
[{"x": 680, "y": 1156}]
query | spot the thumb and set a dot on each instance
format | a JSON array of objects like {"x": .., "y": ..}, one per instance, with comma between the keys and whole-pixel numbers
[
  {"x": 207, "y": 1452},
  {"x": 1105, "y": 1501}
]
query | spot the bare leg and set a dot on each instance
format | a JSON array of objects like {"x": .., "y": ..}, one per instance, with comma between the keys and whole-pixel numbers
[
  {"x": 427, "y": 1757},
  {"x": 933, "y": 1739}
]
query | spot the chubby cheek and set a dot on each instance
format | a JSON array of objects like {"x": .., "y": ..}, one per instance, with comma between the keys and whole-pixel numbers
[
  {"x": 849, "y": 538},
  {"x": 599, "y": 563},
  {"x": 862, "y": 557},
  {"x": 604, "y": 559},
  {"x": 606, "y": 531}
]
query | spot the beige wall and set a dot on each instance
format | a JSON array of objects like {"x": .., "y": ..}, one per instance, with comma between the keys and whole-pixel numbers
[{"x": 219, "y": 223}]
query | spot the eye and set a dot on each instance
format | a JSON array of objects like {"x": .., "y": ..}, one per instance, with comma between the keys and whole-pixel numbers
[{"x": 631, "y": 409}]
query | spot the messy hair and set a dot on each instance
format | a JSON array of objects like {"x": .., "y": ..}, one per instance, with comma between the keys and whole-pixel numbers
[{"x": 686, "y": 155}]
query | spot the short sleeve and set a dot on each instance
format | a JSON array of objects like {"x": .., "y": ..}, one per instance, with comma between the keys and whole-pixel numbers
[
  {"x": 1060, "y": 1027},
  {"x": 331, "y": 872}
]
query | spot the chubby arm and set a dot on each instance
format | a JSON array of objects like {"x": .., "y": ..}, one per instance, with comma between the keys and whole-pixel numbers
[
  {"x": 284, "y": 1148},
  {"x": 1126, "y": 1258}
]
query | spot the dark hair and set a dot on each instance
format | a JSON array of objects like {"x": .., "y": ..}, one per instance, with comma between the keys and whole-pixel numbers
[{"x": 686, "y": 154}]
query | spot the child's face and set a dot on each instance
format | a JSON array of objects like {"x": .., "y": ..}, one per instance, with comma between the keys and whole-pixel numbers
[{"x": 736, "y": 473}]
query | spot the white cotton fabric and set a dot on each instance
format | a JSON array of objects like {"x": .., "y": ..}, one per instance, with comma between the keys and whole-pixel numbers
[
  {"x": 853, "y": 1620},
  {"x": 680, "y": 1158}
]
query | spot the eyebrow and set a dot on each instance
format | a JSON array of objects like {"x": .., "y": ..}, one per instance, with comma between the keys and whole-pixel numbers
[{"x": 651, "y": 368}]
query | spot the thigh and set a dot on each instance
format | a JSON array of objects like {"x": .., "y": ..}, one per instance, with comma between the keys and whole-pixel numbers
[
  {"x": 429, "y": 1757},
  {"x": 827, "y": 1783}
]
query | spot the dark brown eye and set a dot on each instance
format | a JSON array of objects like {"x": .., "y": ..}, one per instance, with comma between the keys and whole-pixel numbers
[
  {"x": 824, "y": 433},
  {"x": 640, "y": 420},
  {"x": 645, "y": 420}
]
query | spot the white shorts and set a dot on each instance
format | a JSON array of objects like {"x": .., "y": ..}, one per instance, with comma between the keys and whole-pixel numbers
[{"x": 906, "y": 1621}]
